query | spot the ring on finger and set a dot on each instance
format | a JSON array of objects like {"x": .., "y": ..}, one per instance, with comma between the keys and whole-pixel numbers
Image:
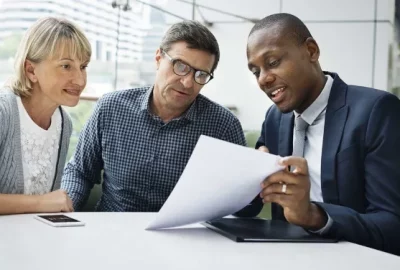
[{"x": 284, "y": 187}]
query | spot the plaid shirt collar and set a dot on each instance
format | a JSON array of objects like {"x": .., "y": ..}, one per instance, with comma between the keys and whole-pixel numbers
[{"x": 190, "y": 114}]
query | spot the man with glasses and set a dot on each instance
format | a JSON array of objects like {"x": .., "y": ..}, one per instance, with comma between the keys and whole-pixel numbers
[{"x": 141, "y": 139}]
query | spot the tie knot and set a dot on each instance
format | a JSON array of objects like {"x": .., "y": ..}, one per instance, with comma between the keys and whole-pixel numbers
[{"x": 300, "y": 124}]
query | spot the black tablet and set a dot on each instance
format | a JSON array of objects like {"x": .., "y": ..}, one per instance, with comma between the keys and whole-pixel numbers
[{"x": 261, "y": 230}]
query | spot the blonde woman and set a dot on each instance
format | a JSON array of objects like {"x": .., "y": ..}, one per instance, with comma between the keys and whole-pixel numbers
[{"x": 50, "y": 71}]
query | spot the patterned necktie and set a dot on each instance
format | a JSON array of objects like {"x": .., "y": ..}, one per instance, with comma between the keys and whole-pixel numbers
[{"x": 300, "y": 129}]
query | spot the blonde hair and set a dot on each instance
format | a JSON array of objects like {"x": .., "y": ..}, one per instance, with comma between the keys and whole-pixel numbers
[{"x": 47, "y": 37}]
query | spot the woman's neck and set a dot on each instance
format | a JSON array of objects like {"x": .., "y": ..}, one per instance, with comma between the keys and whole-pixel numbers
[{"x": 40, "y": 109}]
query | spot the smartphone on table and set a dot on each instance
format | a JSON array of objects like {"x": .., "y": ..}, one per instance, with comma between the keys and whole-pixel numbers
[{"x": 59, "y": 220}]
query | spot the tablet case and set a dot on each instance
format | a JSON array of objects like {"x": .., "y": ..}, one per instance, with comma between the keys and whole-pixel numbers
[{"x": 261, "y": 230}]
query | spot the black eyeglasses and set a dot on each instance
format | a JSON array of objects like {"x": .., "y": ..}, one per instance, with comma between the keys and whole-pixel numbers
[{"x": 182, "y": 69}]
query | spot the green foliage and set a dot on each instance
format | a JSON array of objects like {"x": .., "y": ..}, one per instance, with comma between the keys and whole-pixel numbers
[
  {"x": 396, "y": 91},
  {"x": 79, "y": 115},
  {"x": 9, "y": 46},
  {"x": 251, "y": 137}
]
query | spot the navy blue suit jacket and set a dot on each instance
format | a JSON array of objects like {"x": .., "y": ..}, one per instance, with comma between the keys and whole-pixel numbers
[{"x": 360, "y": 168}]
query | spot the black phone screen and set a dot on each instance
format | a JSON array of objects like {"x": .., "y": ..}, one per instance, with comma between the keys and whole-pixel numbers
[{"x": 58, "y": 218}]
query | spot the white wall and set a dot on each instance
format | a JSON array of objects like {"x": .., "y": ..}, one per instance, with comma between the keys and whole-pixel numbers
[{"x": 347, "y": 47}]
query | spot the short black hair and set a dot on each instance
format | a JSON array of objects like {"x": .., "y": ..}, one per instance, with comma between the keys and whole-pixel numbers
[
  {"x": 196, "y": 35},
  {"x": 290, "y": 25}
]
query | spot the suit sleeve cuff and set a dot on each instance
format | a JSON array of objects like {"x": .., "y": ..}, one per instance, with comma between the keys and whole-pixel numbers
[{"x": 326, "y": 228}]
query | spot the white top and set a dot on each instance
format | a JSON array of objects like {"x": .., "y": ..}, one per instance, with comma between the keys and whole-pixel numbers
[
  {"x": 119, "y": 241},
  {"x": 39, "y": 151},
  {"x": 314, "y": 115}
]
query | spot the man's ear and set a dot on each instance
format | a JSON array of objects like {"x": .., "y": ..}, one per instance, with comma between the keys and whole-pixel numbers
[
  {"x": 158, "y": 57},
  {"x": 30, "y": 71},
  {"x": 312, "y": 49}
]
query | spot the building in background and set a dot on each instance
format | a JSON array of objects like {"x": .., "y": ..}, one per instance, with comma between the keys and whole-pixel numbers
[
  {"x": 356, "y": 39},
  {"x": 134, "y": 32},
  {"x": 151, "y": 42}
]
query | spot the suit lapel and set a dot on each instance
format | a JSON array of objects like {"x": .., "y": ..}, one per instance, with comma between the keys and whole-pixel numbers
[
  {"x": 335, "y": 120},
  {"x": 285, "y": 149},
  {"x": 286, "y": 135}
]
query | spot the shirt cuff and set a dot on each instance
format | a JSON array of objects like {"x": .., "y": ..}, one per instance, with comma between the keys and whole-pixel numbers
[{"x": 327, "y": 226}]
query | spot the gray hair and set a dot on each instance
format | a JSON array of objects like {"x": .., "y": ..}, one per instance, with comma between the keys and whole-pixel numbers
[{"x": 196, "y": 35}]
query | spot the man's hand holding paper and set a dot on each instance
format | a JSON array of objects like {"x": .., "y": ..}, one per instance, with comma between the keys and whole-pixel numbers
[{"x": 291, "y": 190}]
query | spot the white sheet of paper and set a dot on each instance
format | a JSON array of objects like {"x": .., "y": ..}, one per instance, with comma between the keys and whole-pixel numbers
[{"x": 219, "y": 179}]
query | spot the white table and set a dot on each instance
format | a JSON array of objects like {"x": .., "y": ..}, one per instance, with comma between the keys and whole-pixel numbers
[{"x": 119, "y": 241}]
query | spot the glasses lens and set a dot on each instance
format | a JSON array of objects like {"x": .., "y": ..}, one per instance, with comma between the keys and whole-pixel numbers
[
  {"x": 202, "y": 77},
  {"x": 181, "y": 68}
]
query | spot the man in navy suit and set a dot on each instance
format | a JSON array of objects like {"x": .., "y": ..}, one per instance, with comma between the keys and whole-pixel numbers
[{"x": 341, "y": 142}]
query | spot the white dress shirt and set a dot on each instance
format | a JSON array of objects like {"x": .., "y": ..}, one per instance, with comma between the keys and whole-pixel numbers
[{"x": 314, "y": 115}]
